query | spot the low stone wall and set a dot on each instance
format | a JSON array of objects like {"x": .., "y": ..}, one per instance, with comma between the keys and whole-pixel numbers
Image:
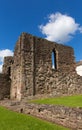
[{"x": 66, "y": 116}]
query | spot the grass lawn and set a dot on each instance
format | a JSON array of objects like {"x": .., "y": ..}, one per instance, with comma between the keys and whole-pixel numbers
[
  {"x": 72, "y": 101},
  {"x": 14, "y": 121}
]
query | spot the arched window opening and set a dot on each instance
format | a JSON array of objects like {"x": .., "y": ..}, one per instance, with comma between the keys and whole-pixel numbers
[{"x": 54, "y": 61}]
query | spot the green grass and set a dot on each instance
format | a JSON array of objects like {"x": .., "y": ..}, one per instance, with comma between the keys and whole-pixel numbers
[
  {"x": 71, "y": 101},
  {"x": 14, "y": 121}
]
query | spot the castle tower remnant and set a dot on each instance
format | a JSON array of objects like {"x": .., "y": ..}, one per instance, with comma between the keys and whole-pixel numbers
[{"x": 41, "y": 67}]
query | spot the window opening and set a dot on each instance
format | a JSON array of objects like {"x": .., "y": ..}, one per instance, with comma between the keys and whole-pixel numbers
[{"x": 54, "y": 62}]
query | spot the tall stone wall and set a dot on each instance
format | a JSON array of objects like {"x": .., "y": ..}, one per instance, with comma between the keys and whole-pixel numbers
[
  {"x": 17, "y": 80},
  {"x": 37, "y": 74},
  {"x": 7, "y": 67},
  {"x": 5, "y": 84},
  {"x": 32, "y": 72},
  {"x": 6, "y": 77},
  {"x": 47, "y": 78},
  {"x": 22, "y": 75}
]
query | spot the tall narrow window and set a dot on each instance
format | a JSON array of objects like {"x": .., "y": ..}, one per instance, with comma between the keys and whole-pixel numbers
[{"x": 54, "y": 62}]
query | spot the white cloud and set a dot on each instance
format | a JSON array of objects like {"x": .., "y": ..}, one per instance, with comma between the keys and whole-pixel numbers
[
  {"x": 60, "y": 28},
  {"x": 0, "y": 68},
  {"x": 80, "y": 29},
  {"x": 4, "y": 53},
  {"x": 79, "y": 70}
]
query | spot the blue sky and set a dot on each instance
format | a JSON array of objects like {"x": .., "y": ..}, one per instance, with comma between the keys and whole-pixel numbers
[{"x": 38, "y": 18}]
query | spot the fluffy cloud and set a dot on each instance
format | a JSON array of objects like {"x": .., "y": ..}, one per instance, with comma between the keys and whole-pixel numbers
[
  {"x": 60, "y": 28},
  {"x": 79, "y": 70},
  {"x": 0, "y": 68},
  {"x": 4, "y": 53}
]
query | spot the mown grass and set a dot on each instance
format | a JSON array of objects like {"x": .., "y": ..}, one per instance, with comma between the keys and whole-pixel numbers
[
  {"x": 71, "y": 101},
  {"x": 14, "y": 121}
]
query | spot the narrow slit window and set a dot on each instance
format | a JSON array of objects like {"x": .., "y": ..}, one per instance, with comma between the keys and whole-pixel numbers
[{"x": 54, "y": 62}]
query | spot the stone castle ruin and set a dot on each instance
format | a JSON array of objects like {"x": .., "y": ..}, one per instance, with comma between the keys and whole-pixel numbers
[{"x": 31, "y": 71}]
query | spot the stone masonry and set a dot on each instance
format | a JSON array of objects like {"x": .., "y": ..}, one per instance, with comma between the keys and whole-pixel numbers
[
  {"x": 65, "y": 116},
  {"x": 31, "y": 71},
  {"x": 5, "y": 84}
]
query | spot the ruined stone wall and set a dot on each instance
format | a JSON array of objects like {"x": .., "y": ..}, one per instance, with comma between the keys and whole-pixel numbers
[
  {"x": 63, "y": 79},
  {"x": 6, "y": 77},
  {"x": 66, "y": 116},
  {"x": 38, "y": 75},
  {"x": 17, "y": 72},
  {"x": 5, "y": 84},
  {"x": 22, "y": 74},
  {"x": 7, "y": 66},
  {"x": 32, "y": 72},
  {"x": 28, "y": 64}
]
